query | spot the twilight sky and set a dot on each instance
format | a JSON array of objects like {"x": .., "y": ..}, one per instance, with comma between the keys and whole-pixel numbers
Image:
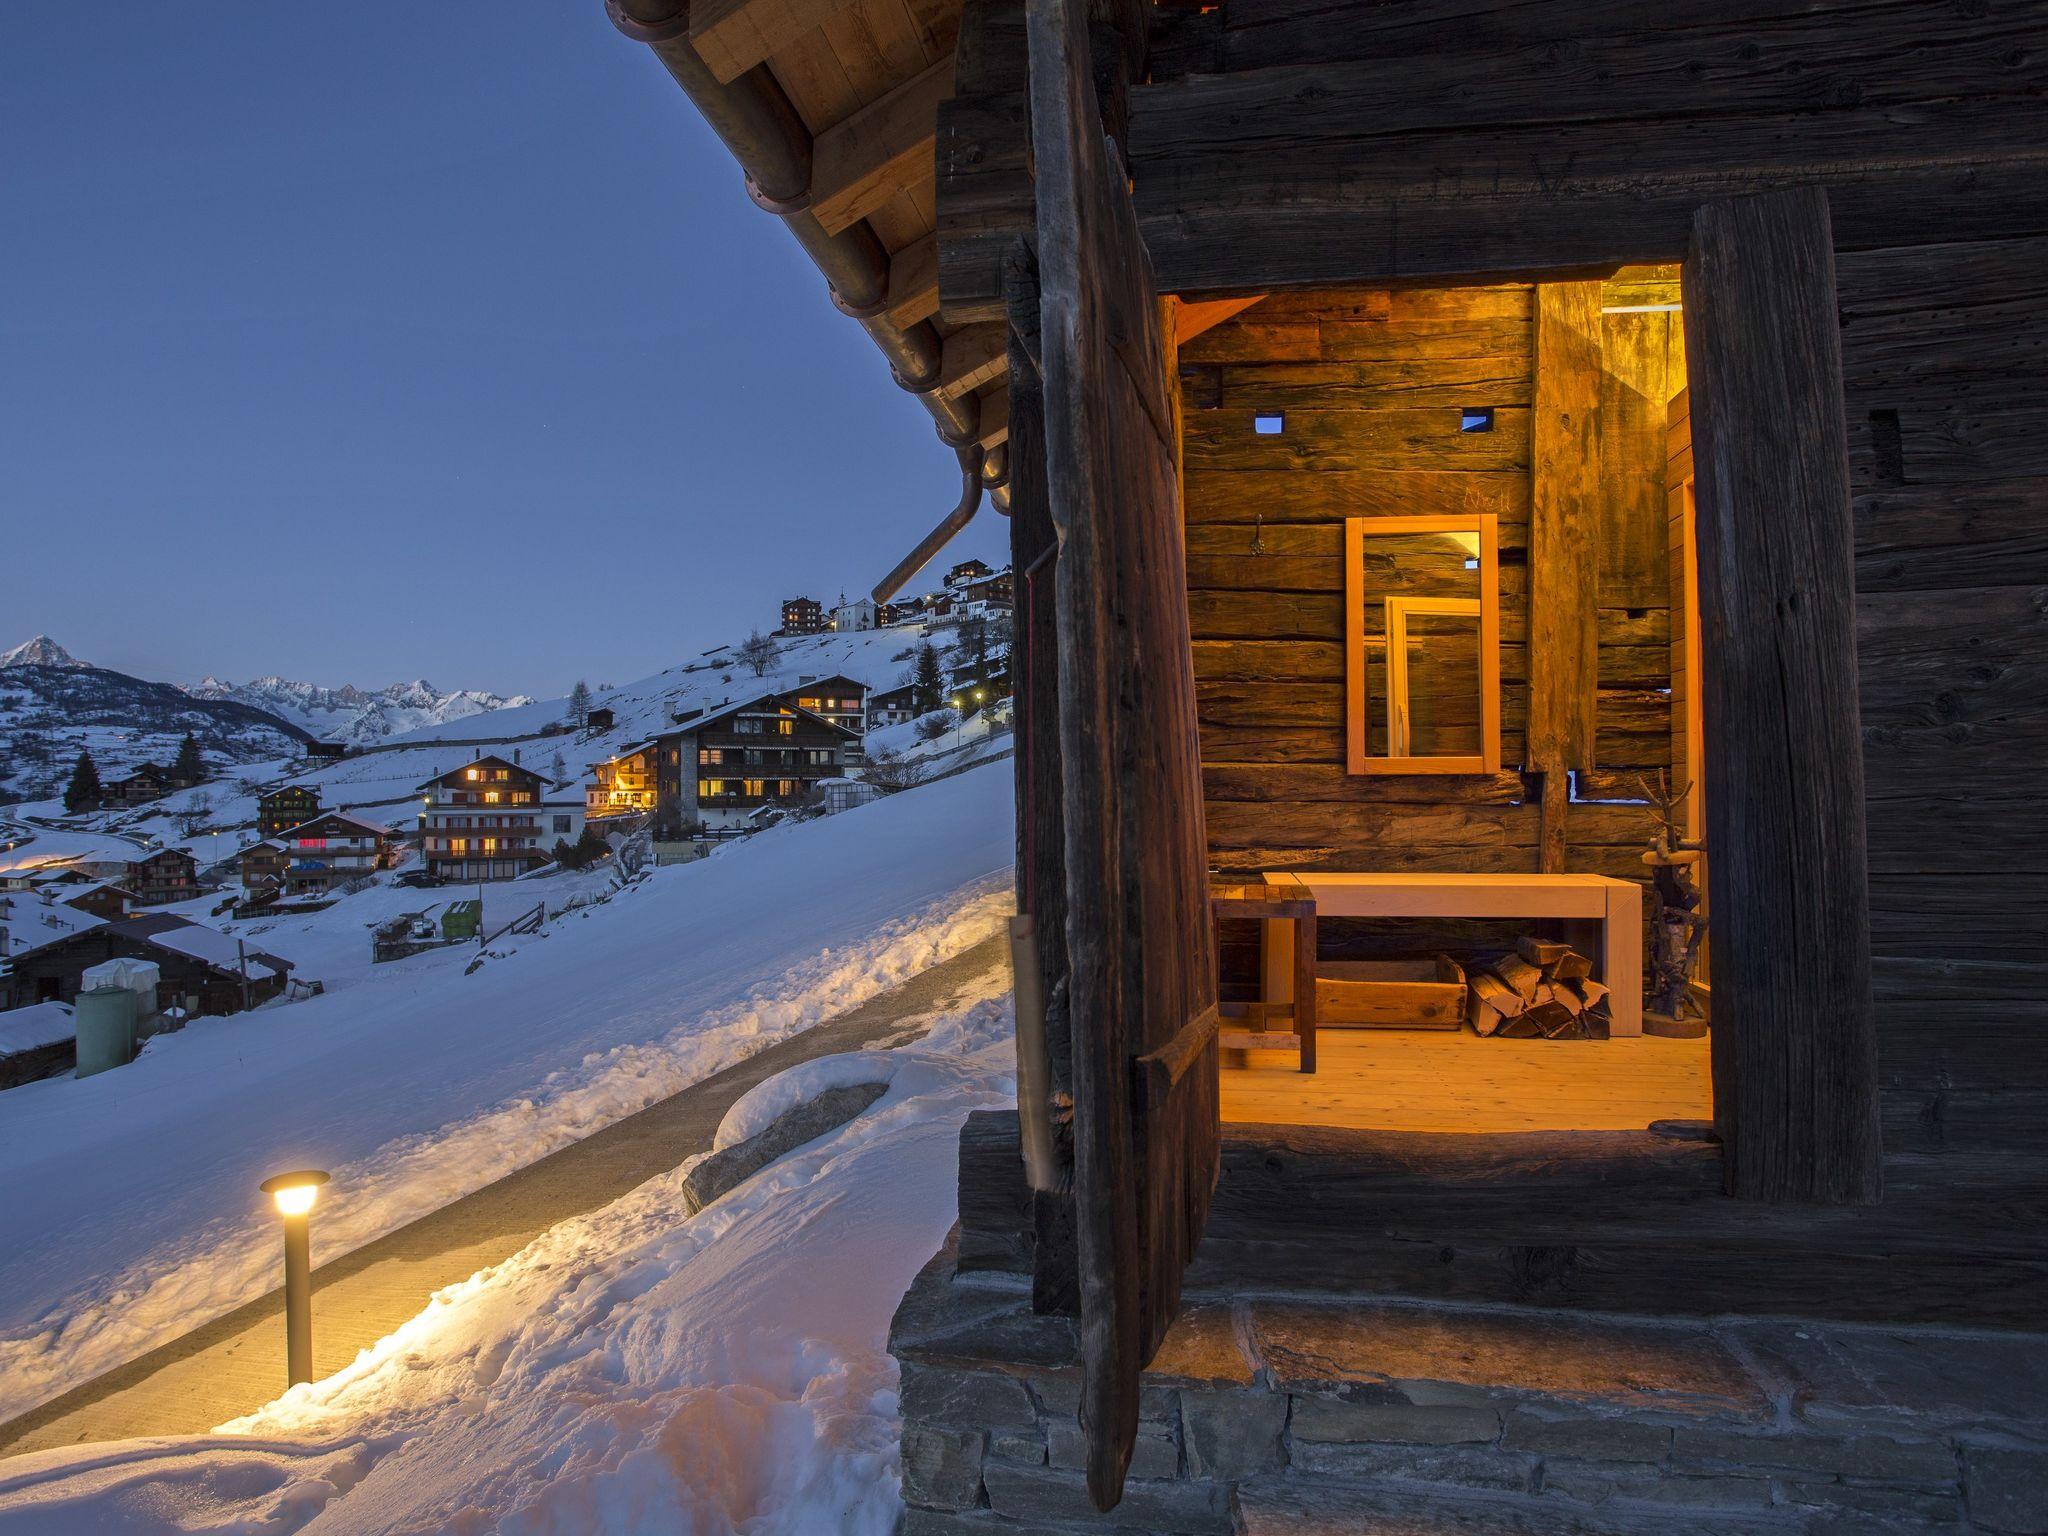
[{"x": 365, "y": 342}]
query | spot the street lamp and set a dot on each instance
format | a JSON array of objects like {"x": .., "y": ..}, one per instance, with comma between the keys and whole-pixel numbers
[{"x": 294, "y": 1194}]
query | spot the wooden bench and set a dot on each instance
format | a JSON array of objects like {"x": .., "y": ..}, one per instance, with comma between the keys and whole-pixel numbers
[
  {"x": 1292, "y": 910},
  {"x": 1603, "y": 917}
]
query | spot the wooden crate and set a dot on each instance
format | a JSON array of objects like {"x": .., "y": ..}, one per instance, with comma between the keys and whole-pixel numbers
[{"x": 1391, "y": 994}]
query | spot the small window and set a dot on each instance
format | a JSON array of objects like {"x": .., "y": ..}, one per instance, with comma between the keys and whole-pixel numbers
[
  {"x": 1269, "y": 426},
  {"x": 1476, "y": 418}
]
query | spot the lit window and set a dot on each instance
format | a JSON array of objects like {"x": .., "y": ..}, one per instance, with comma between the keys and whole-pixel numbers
[
  {"x": 472, "y": 773},
  {"x": 490, "y": 797}
]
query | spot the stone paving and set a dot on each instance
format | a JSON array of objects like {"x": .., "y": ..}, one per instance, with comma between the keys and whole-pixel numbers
[
  {"x": 236, "y": 1363},
  {"x": 1285, "y": 1417}
]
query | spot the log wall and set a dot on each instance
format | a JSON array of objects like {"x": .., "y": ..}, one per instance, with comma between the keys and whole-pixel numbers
[{"x": 1373, "y": 385}]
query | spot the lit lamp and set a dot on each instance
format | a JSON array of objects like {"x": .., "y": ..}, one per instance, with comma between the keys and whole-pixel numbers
[{"x": 294, "y": 1194}]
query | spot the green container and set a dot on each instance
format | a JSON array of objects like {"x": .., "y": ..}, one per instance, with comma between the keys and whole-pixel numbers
[
  {"x": 462, "y": 919},
  {"x": 105, "y": 1021}
]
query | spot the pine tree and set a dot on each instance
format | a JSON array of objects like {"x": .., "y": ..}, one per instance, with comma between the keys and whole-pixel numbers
[
  {"x": 189, "y": 767},
  {"x": 927, "y": 681},
  {"x": 579, "y": 704},
  {"x": 83, "y": 792}
]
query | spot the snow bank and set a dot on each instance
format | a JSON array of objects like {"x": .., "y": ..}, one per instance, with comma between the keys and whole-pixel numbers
[
  {"x": 765, "y": 1103},
  {"x": 631, "y": 1370},
  {"x": 132, "y": 1210}
]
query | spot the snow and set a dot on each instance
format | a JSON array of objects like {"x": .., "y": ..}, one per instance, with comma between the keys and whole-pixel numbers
[
  {"x": 765, "y": 1102},
  {"x": 630, "y": 1370},
  {"x": 38, "y": 1025},
  {"x": 210, "y": 945},
  {"x": 131, "y": 1199}
]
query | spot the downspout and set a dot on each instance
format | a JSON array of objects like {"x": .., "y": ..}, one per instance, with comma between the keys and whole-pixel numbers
[
  {"x": 766, "y": 136},
  {"x": 962, "y": 514}
]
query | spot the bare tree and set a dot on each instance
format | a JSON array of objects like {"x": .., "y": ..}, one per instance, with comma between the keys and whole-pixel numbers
[
  {"x": 194, "y": 813},
  {"x": 579, "y": 704},
  {"x": 892, "y": 774},
  {"x": 758, "y": 652}
]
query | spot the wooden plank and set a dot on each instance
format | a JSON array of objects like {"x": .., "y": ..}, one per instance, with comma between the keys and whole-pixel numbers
[
  {"x": 1195, "y": 317},
  {"x": 971, "y": 357},
  {"x": 1140, "y": 939},
  {"x": 994, "y": 425},
  {"x": 1794, "y": 1038},
  {"x": 1566, "y": 494},
  {"x": 914, "y": 282},
  {"x": 858, "y": 164},
  {"x": 732, "y": 36}
]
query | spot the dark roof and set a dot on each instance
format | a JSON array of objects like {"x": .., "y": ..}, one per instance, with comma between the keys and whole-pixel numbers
[
  {"x": 159, "y": 930},
  {"x": 478, "y": 762},
  {"x": 727, "y": 711}
]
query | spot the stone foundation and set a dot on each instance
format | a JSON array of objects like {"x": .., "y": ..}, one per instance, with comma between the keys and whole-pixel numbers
[{"x": 1272, "y": 1415}]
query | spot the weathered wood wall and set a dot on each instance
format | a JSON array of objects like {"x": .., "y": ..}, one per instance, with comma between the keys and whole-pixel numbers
[
  {"x": 1296, "y": 144},
  {"x": 1945, "y": 368},
  {"x": 1373, "y": 385}
]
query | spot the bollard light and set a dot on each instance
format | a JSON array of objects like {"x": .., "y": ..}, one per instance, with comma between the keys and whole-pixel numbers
[{"x": 293, "y": 1194}]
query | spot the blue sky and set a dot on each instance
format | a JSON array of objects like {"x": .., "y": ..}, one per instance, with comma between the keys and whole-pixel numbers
[{"x": 366, "y": 342}]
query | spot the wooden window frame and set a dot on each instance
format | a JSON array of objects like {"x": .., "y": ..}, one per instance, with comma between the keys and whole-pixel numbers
[{"x": 1357, "y": 760}]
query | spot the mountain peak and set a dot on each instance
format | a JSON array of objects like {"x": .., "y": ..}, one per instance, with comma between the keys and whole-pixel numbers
[{"x": 42, "y": 651}]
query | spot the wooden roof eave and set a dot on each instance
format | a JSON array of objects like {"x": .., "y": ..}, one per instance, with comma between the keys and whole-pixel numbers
[{"x": 882, "y": 146}]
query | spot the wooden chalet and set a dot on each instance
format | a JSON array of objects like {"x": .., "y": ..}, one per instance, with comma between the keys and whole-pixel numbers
[
  {"x": 261, "y": 866},
  {"x": 148, "y": 782},
  {"x": 1421, "y": 426},
  {"x": 290, "y": 805},
  {"x": 492, "y": 819},
  {"x": 169, "y": 874},
  {"x": 334, "y": 848},
  {"x": 201, "y": 969}
]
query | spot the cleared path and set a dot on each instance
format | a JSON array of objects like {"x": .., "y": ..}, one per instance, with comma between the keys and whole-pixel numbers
[{"x": 236, "y": 1363}]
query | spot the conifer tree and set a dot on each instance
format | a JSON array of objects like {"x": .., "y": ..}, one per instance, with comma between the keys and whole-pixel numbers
[
  {"x": 189, "y": 767},
  {"x": 83, "y": 792},
  {"x": 927, "y": 681}
]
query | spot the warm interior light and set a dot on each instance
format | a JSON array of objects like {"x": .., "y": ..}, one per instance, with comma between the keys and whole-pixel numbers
[{"x": 296, "y": 1200}]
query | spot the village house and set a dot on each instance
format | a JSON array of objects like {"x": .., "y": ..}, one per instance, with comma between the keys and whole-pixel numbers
[
  {"x": 803, "y": 616},
  {"x": 838, "y": 698},
  {"x": 169, "y": 874},
  {"x": 202, "y": 970},
  {"x": 718, "y": 768},
  {"x": 261, "y": 866},
  {"x": 289, "y": 805},
  {"x": 148, "y": 782},
  {"x": 600, "y": 718},
  {"x": 493, "y": 820},
  {"x": 75, "y": 888},
  {"x": 627, "y": 784},
  {"x": 892, "y": 706},
  {"x": 332, "y": 849},
  {"x": 1526, "y": 519}
]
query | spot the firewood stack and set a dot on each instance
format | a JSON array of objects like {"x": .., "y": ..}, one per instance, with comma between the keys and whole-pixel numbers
[{"x": 1542, "y": 991}]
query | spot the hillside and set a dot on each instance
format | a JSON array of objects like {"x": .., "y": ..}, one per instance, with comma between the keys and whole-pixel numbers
[{"x": 50, "y": 712}]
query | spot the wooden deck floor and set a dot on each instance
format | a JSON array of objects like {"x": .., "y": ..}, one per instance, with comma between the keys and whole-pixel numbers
[{"x": 1453, "y": 1080}]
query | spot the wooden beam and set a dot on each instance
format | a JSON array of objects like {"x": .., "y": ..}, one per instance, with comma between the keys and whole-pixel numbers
[
  {"x": 1795, "y": 1055},
  {"x": 995, "y": 418},
  {"x": 973, "y": 356},
  {"x": 914, "y": 282},
  {"x": 732, "y": 36},
  {"x": 1565, "y": 492},
  {"x": 858, "y": 164},
  {"x": 1192, "y": 317}
]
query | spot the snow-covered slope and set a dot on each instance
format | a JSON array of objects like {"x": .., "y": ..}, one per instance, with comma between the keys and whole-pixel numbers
[
  {"x": 130, "y": 1199},
  {"x": 636, "y": 1369},
  {"x": 355, "y": 715},
  {"x": 48, "y": 713}
]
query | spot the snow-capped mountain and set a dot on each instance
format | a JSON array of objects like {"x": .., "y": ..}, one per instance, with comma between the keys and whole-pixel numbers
[
  {"x": 359, "y": 716},
  {"x": 40, "y": 652},
  {"x": 50, "y": 712}
]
